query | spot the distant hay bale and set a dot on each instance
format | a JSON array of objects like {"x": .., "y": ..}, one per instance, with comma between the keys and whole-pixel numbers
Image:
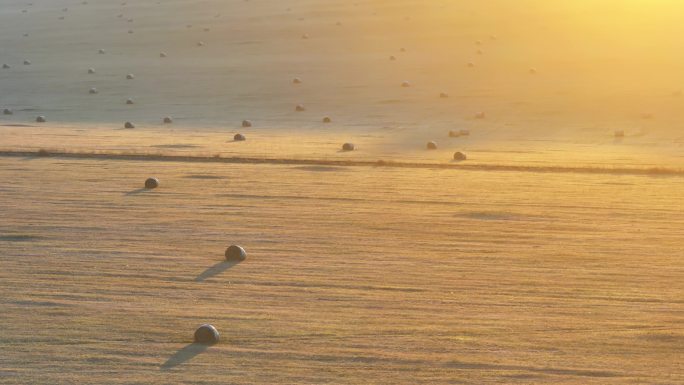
[
  {"x": 43, "y": 152},
  {"x": 235, "y": 253},
  {"x": 6, "y": 66},
  {"x": 533, "y": 71},
  {"x": 405, "y": 84},
  {"x": 459, "y": 156},
  {"x": 471, "y": 64},
  {"x": 392, "y": 58},
  {"x": 130, "y": 76},
  {"x": 27, "y": 62},
  {"x": 130, "y": 101},
  {"x": 41, "y": 119},
  {"x": 7, "y": 111},
  {"x": 162, "y": 54},
  {"x": 129, "y": 125},
  {"x": 479, "y": 52},
  {"x": 130, "y": 31},
  {"x": 92, "y": 91},
  {"x": 620, "y": 134},
  {"x": 101, "y": 51},
  {"x": 296, "y": 81},
  {"x": 305, "y": 36},
  {"x": 402, "y": 49},
  {"x": 458, "y": 133},
  {"x": 300, "y": 108},
  {"x": 246, "y": 123},
  {"x": 327, "y": 119},
  {"x": 480, "y": 115},
  {"x": 443, "y": 95},
  {"x": 206, "y": 334},
  {"x": 168, "y": 120},
  {"x": 200, "y": 44},
  {"x": 91, "y": 71},
  {"x": 431, "y": 145},
  {"x": 239, "y": 138},
  {"x": 151, "y": 183},
  {"x": 348, "y": 147}
]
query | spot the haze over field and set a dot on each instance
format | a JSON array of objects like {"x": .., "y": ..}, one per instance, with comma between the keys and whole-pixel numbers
[{"x": 551, "y": 254}]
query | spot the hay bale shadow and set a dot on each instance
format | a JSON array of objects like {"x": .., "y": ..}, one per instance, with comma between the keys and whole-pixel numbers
[
  {"x": 184, "y": 355},
  {"x": 137, "y": 191},
  {"x": 216, "y": 270}
]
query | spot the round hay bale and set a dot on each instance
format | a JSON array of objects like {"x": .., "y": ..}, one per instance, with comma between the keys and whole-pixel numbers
[
  {"x": 300, "y": 108},
  {"x": 168, "y": 120},
  {"x": 92, "y": 91},
  {"x": 305, "y": 36},
  {"x": 27, "y": 62},
  {"x": 533, "y": 71},
  {"x": 129, "y": 125},
  {"x": 464, "y": 132},
  {"x": 479, "y": 52},
  {"x": 151, "y": 183},
  {"x": 348, "y": 147},
  {"x": 162, "y": 54},
  {"x": 246, "y": 123},
  {"x": 459, "y": 156},
  {"x": 91, "y": 71},
  {"x": 405, "y": 84},
  {"x": 130, "y": 31},
  {"x": 327, "y": 119},
  {"x": 101, "y": 51},
  {"x": 393, "y": 58},
  {"x": 443, "y": 95},
  {"x": 206, "y": 334},
  {"x": 130, "y": 76},
  {"x": 7, "y": 111},
  {"x": 41, "y": 119},
  {"x": 402, "y": 49},
  {"x": 296, "y": 81},
  {"x": 454, "y": 133},
  {"x": 5, "y": 66},
  {"x": 431, "y": 145},
  {"x": 235, "y": 253},
  {"x": 480, "y": 115},
  {"x": 471, "y": 64},
  {"x": 130, "y": 101},
  {"x": 620, "y": 134},
  {"x": 239, "y": 138},
  {"x": 200, "y": 44}
]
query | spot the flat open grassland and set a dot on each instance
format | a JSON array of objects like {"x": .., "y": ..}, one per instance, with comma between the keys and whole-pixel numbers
[{"x": 354, "y": 275}]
